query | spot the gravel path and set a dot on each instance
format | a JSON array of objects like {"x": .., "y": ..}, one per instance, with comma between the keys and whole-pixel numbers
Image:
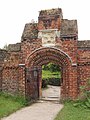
[{"x": 42, "y": 110}]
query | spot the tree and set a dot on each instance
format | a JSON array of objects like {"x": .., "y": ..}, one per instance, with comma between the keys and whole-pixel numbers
[{"x": 52, "y": 67}]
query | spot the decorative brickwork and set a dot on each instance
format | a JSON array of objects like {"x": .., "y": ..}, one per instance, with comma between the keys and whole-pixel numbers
[{"x": 52, "y": 39}]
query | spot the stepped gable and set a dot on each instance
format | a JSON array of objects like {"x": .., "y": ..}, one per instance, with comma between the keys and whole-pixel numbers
[
  {"x": 69, "y": 28},
  {"x": 84, "y": 44},
  {"x": 30, "y": 31}
]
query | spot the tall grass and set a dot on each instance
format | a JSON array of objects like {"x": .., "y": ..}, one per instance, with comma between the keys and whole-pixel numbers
[
  {"x": 9, "y": 104},
  {"x": 70, "y": 112}
]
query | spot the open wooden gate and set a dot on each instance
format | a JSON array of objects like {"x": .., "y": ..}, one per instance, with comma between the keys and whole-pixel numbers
[{"x": 32, "y": 83}]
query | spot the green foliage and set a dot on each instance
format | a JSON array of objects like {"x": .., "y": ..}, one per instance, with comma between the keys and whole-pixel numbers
[
  {"x": 44, "y": 83},
  {"x": 84, "y": 101},
  {"x": 50, "y": 81},
  {"x": 9, "y": 104},
  {"x": 51, "y": 78},
  {"x": 79, "y": 109},
  {"x": 54, "y": 81},
  {"x": 51, "y": 67},
  {"x": 48, "y": 74},
  {"x": 69, "y": 112}
]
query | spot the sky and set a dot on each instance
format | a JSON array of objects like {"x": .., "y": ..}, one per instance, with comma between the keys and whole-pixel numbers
[{"x": 14, "y": 14}]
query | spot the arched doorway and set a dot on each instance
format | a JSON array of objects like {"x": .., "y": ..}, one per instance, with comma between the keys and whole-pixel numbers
[
  {"x": 34, "y": 64},
  {"x": 51, "y": 82}
]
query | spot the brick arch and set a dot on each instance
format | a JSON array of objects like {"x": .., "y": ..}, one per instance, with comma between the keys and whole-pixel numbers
[
  {"x": 48, "y": 53},
  {"x": 45, "y": 55}
]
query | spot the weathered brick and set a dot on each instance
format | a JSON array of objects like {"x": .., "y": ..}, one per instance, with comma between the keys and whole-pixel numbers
[{"x": 20, "y": 65}]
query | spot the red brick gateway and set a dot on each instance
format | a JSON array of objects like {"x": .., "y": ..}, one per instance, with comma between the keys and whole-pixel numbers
[{"x": 52, "y": 39}]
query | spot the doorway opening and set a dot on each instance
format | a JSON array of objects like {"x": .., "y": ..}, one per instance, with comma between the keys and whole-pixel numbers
[
  {"x": 34, "y": 63},
  {"x": 51, "y": 82}
]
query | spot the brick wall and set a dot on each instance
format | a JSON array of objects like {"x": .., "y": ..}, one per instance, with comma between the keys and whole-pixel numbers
[
  {"x": 83, "y": 63},
  {"x": 0, "y": 78},
  {"x": 10, "y": 73},
  {"x": 10, "y": 80},
  {"x": 3, "y": 54},
  {"x": 71, "y": 55}
]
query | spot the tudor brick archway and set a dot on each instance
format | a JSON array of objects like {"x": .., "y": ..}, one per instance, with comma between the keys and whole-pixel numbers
[
  {"x": 21, "y": 63},
  {"x": 43, "y": 56}
]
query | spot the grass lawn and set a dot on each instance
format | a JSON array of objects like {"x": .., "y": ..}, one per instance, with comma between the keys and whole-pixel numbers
[
  {"x": 9, "y": 104},
  {"x": 48, "y": 74},
  {"x": 69, "y": 112}
]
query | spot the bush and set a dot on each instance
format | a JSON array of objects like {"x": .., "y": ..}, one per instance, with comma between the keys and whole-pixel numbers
[
  {"x": 84, "y": 100},
  {"x": 50, "y": 81},
  {"x": 52, "y": 67},
  {"x": 18, "y": 98},
  {"x": 44, "y": 83},
  {"x": 54, "y": 81},
  {"x": 50, "y": 75}
]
